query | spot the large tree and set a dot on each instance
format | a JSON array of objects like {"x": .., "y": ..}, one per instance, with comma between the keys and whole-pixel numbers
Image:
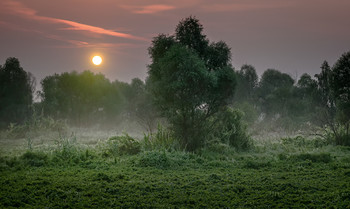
[
  {"x": 275, "y": 91},
  {"x": 340, "y": 87},
  {"x": 16, "y": 92},
  {"x": 190, "y": 80}
]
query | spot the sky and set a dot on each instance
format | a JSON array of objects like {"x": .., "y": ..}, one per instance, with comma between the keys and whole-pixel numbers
[{"x": 293, "y": 36}]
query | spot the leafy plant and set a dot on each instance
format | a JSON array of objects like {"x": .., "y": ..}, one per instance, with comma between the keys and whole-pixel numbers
[
  {"x": 228, "y": 128},
  {"x": 313, "y": 157},
  {"x": 35, "y": 159},
  {"x": 154, "y": 159},
  {"x": 124, "y": 145},
  {"x": 162, "y": 139}
]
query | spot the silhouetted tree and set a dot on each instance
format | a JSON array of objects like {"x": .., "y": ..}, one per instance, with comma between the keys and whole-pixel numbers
[
  {"x": 324, "y": 80},
  {"x": 247, "y": 81},
  {"x": 16, "y": 92},
  {"x": 190, "y": 80},
  {"x": 340, "y": 87},
  {"x": 275, "y": 90},
  {"x": 85, "y": 98}
]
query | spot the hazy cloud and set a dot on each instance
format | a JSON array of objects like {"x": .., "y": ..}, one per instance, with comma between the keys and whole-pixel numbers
[
  {"x": 149, "y": 9},
  {"x": 17, "y": 8}
]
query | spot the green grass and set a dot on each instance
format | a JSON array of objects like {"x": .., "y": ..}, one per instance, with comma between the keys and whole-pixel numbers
[{"x": 280, "y": 174}]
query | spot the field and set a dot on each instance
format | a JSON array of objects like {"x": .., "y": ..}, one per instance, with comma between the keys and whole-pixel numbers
[{"x": 84, "y": 171}]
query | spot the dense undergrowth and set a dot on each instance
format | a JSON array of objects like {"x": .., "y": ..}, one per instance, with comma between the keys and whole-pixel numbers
[{"x": 124, "y": 172}]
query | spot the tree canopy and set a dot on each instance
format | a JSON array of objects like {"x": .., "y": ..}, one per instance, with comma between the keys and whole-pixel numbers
[
  {"x": 190, "y": 79},
  {"x": 16, "y": 92}
]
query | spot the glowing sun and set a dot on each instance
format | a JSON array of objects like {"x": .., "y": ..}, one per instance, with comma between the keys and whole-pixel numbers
[{"x": 97, "y": 60}]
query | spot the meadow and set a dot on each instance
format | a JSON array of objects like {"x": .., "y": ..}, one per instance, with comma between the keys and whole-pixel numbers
[{"x": 91, "y": 169}]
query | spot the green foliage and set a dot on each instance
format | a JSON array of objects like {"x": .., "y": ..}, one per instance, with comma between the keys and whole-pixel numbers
[
  {"x": 313, "y": 157},
  {"x": 163, "y": 139},
  {"x": 140, "y": 105},
  {"x": 253, "y": 164},
  {"x": 190, "y": 80},
  {"x": 300, "y": 141},
  {"x": 250, "y": 112},
  {"x": 35, "y": 126},
  {"x": 67, "y": 152},
  {"x": 275, "y": 90},
  {"x": 340, "y": 86},
  {"x": 35, "y": 159},
  {"x": 228, "y": 128},
  {"x": 156, "y": 182},
  {"x": 161, "y": 179},
  {"x": 124, "y": 145},
  {"x": 338, "y": 135},
  {"x": 155, "y": 159},
  {"x": 16, "y": 93},
  {"x": 247, "y": 82},
  {"x": 80, "y": 97}
]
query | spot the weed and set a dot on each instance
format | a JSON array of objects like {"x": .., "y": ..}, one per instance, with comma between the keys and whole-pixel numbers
[
  {"x": 163, "y": 139},
  {"x": 67, "y": 151},
  {"x": 124, "y": 145}
]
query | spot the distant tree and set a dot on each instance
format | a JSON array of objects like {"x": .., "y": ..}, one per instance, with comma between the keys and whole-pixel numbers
[
  {"x": 16, "y": 92},
  {"x": 340, "y": 87},
  {"x": 247, "y": 81},
  {"x": 275, "y": 91},
  {"x": 308, "y": 89},
  {"x": 324, "y": 85},
  {"x": 140, "y": 105},
  {"x": 83, "y": 98},
  {"x": 190, "y": 80},
  {"x": 305, "y": 104}
]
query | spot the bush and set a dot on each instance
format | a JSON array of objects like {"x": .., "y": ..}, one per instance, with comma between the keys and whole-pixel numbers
[
  {"x": 256, "y": 164},
  {"x": 162, "y": 139},
  {"x": 338, "y": 135},
  {"x": 250, "y": 115},
  {"x": 124, "y": 145},
  {"x": 35, "y": 159},
  {"x": 313, "y": 157},
  {"x": 154, "y": 159},
  {"x": 228, "y": 128},
  {"x": 67, "y": 151},
  {"x": 35, "y": 126}
]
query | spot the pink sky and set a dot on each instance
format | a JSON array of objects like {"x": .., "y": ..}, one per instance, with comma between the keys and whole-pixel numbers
[{"x": 57, "y": 36}]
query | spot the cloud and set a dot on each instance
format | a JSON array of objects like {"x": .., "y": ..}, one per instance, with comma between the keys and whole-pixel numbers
[
  {"x": 149, "y": 9},
  {"x": 16, "y": 8}
]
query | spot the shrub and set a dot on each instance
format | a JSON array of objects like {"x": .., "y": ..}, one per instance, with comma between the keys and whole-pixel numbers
[
  {"x": 228, "y": 128},
  {"x": 338, "y": 135},
  {"x": 35, "y": 126},
  {"x": 162, "y": 139},
  {"x": 256, "y": 164},
  {"x": 67, "y": 151},
  {"x": 124, "y": 145},
  {"x": 35, "y": 159},
  {"x": 313, "y": 157},
  {"x": 154, "y": 159}
]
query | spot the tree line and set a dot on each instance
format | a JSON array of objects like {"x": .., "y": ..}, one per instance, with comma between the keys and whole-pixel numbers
[{"x": 192, "y": 84}]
